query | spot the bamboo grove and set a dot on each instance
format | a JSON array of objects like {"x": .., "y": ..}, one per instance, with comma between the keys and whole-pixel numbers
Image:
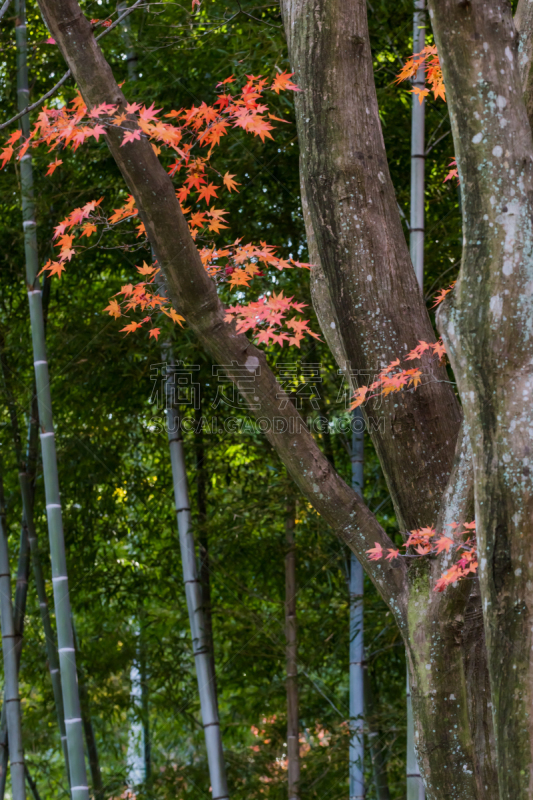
[{"x": 209, "y": 638}]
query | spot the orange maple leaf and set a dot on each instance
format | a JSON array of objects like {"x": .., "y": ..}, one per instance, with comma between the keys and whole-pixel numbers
[
  {"x": 14, "y": 137},
  {"x": 229, "y": 183},
  {"x": 113, "y": 309},
  {"x": 5, "y": 155},
  {"x": 174, "y": 316},
  {"x": 133, "y": 326},
  {"x": 146, "y": 269},
  {"x": 88, "y": 229},
  {"x": 282, "y": 82},
  {"x": 154, "y": 333},
  {"x": 206, "y": 192},
  {"x": 443, "y": 543},
  {"x": 54, "y": 268}
]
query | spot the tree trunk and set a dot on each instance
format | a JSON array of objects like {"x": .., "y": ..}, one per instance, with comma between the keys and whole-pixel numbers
[
  {"x": 486, "y": 326},
  {"x": 291, "y": 637},
  {"x": 9, "y": 651}
]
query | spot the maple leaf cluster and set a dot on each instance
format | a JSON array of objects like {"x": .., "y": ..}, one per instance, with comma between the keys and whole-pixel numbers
[
  {"x": 426, "y": 541},
  {"x": 74, "y": 223},
  {"x": 392, "y": 379},
  {"x": 201, "y": 126},
  {"x": 441, "y": 294},
  {"x": 428, "y": 58},
  {"x": 139, "y": 296},
  {"x": 454, "y": 172},
  {"x": 266, "y": 316}
]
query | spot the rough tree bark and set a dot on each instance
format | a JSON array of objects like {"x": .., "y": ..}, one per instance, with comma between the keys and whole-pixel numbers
[
  {"x": 490, "y": 346},
  {"x": 370, "y": 300}
]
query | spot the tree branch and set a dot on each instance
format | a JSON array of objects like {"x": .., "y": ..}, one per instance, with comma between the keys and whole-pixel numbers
[{"x": 194, "y": 295}]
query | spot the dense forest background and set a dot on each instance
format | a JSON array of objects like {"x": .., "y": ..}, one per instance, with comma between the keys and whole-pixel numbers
[{"x": 123, "y": 556}]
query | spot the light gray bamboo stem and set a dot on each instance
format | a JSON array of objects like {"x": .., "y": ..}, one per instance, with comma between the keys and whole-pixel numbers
[
  {"x": 379, "y": 766},
  {"x": 293, "y": 743},
  {"x": 415, "y": 786},
  {"x": 357, "y": 696},
  {"x": 67, "y": 656},
  {"x": 131, "y": 55},
  {"x": 418, "y": 153},
  {"x": 9, "y": 651},
  {"x": 204, "y": 672}
]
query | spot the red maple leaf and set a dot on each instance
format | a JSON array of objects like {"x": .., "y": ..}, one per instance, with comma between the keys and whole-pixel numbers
[
  {"x": 376, "y": 552},
  {"x": 131, "y": 136}
]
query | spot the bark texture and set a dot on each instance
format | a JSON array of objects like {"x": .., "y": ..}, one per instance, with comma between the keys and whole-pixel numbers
[
  {"x": 377, "y": 306},
  {"x": 487, "y": 328}
]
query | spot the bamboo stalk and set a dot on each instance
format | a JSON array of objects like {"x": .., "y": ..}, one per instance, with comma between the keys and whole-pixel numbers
[
  {"x": 204, "y": 671},
  {"x": 27, "y": 470},
  {"x": 293, "y": 743},
  {"x": 415, "y": 786},
  {"x": 203, "y": 539},
  {"x": 418, "y": 152},
  {"x": 67, "y": 656},
  {"x": 131, "y": 55},
  {"x": 145, "y": 710},
  {"x": 9, "y": 651},
  {"x": 88, "y": 729},
  {"x": 379, "y": 767},
  {"x": 357, "y": 702}
]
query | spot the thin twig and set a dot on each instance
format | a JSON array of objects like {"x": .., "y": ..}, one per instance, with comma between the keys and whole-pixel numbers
[
  {"x": 37, "y": 102},
  {"x": 67, "y": 74},
  {"x": 428, "y": 151}
]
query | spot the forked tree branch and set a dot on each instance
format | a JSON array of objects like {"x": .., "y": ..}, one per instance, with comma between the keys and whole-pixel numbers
[{"x": 194, "y": 295}]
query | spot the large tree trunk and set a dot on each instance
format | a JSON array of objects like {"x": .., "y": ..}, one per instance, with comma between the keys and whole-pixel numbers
[{"x": 487, "y": 329}]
